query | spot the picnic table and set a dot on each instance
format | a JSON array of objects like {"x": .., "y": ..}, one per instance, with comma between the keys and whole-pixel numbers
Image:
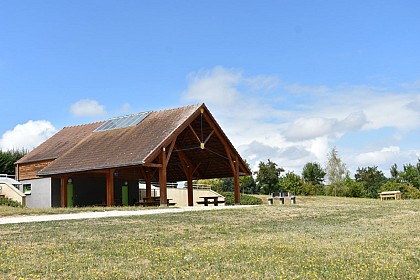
[
  {"x": 390, "y": 194},
  {"x": 213, "y": 199},
  {"x": 281, "y": 197}
]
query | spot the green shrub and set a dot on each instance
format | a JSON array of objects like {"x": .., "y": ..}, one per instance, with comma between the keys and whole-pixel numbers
[
  {"x": 354, "y": 189},
  {"x": 245, "y": 199},
  {"x": 9, "y": 202},
  {"x": 339, "y": 189},
  {"x": 312, "y": 189}
]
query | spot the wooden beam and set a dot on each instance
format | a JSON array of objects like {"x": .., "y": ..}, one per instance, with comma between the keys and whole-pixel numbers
[
  {"x": 184, "y": 160},
  {"x": 110, "y": 187},
  {"x": 234, "y": 164},
  {"x": 145, "y": 171},
  {"x": 63, "y": 190},
  {"x": 170, "y": 150},
  {"x": 190, "y": 189},
  {"x": 208, "y": 137},
  {"x": 195, "y": 134},
  {"x": 17, "y": 172},
  {"x": 188, "y": 169},
  {"x": 236, "y": 184},
  {"x": 151, "y": 164},
  {"x": 195, "y": 170},
  {"x": 148, "y": 183},
  {"x": 162, "y": 179},
  {"x": 221, "y": 137}
]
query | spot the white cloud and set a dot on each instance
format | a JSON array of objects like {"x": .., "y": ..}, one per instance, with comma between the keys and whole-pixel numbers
[
  {"x": 125, "y": 108},
  {"x": 309, "y": 128},
  {"x": 381, "y": 108},
  {"x": 216, "y": 86},
  {"x": 261, "y": 82},
  {"x": 304, "y": 89},
  {"x": 27, "y": 135},
  {"x": 87, "y": 108},
  {"x": 293, "y": 124},
  {"x": 413, "y": 85},
  {"x": 352, "y": 122},
  {"x": 387, "y": 154}
]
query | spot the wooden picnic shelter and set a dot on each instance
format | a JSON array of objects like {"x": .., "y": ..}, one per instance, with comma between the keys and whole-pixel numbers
[{"x": 181, "y": 144}]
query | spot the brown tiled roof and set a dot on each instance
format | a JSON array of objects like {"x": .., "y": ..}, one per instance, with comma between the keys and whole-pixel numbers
[
  {"x": 59, "y": 143},
  {"x": 89, "y": 150}
]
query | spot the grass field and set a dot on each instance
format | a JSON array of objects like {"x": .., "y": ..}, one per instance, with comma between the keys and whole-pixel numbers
[{"x": 318, "y": 238}]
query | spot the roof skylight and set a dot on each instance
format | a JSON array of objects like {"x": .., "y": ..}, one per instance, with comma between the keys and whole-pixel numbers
[{"x": 124, "y": 121}]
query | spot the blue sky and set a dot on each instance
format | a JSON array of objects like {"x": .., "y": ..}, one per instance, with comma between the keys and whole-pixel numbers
[{"x": 286, "y": 80}]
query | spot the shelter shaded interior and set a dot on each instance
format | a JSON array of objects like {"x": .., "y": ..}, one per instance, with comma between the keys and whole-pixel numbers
[{"x": 209, "y": 162}]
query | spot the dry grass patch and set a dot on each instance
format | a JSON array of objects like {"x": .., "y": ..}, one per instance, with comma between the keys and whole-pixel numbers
[
  {"x": 319, "y": 238},
  {"x": 23, "y": 211}
]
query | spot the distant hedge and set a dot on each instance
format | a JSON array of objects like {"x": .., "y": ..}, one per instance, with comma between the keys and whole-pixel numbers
[
  {"x": 245, "y": 199},
  {"x": 9, "y": 202},
  {"x": 408, "y": 191}
]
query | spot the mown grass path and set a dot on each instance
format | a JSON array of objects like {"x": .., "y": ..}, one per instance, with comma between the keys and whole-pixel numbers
[{"x": 319, "y": 238}]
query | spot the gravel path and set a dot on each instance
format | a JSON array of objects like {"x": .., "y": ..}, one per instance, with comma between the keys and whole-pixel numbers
[{"x": 107, "y": 214}]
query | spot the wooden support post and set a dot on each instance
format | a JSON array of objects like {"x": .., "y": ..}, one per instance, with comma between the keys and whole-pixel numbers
[
  {"x": 189, "y": 170},
  {"x": 145, "y": 172},
  {"x": 64, "y": 191},
  {"x": 190, "y": 188},
  {"x": 236, "y": 185},
  {"x": 162, "y": 179},
  {"x": 148, "y": 183},
  {"x": 110, "y": 188}
]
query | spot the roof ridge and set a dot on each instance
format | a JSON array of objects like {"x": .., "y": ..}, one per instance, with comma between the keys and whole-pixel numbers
[
  {"x": 140, "y": 112},
  {"x": 177, "y": 108},
  {"x": 84, "y": 124}
]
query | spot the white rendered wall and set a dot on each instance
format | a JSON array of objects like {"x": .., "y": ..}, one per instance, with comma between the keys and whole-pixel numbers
[
  {"x": 40, "y": 196},
  {"x": 180, "y": 196}
]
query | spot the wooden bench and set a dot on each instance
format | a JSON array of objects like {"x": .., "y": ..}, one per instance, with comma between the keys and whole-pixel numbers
[{"x": 390, "y": 194}]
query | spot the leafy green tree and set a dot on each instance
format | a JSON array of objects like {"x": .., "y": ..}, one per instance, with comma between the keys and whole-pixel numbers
[
  {"x": 372, "y": 180},
  {"x": 336, "y": 172},
  {"x": 8, "y": 159},
  {"x": 395, "y": 174},
  {"x": 214, "y": 184},
  {"x": 352, "y": 188},
  {"x": 292, "y": 183},
  {"x": 268, "y": 177},
  {"x": 313, "y": 173},
  {"x": 248, "y": 185},
  {"x": 227, "y": 185},
  {"x": 411, "y": 174}
]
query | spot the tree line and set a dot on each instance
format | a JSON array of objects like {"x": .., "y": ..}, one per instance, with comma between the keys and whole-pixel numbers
[
  {"x": 8, "y": 159},
  {"x": 333, "y": 180}
]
